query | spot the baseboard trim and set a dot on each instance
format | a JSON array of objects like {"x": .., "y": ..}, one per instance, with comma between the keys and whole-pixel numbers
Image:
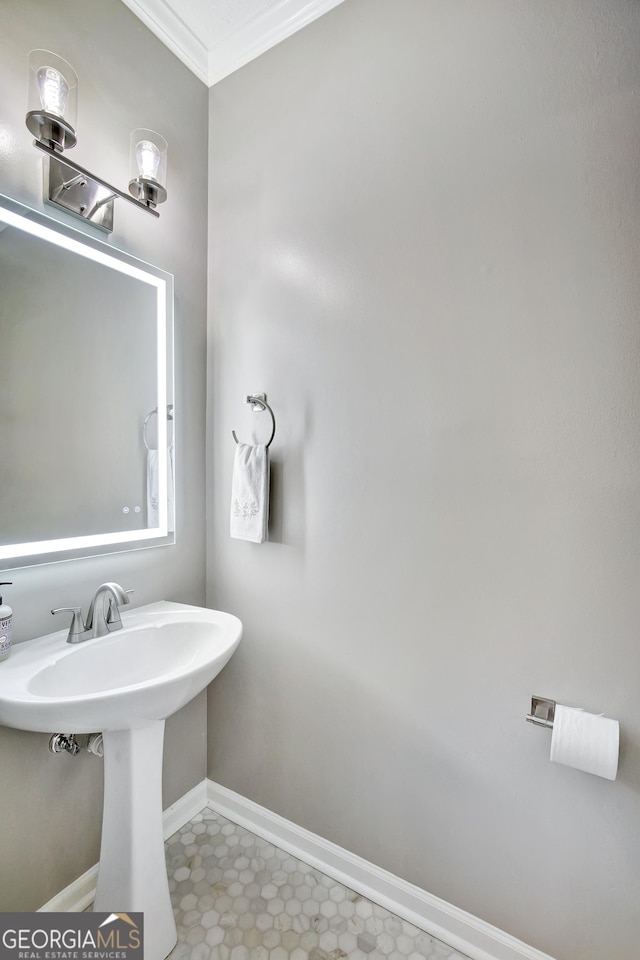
[
  {"x": 457, "y": 928},
  {"x": 76, "y": 897},
  {"x": 180, "y": 812},
  {"x": 81, "y": 893}
]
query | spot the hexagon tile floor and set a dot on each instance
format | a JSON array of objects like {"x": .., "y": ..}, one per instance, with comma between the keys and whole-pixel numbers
[{"x": 237, "y": 897}]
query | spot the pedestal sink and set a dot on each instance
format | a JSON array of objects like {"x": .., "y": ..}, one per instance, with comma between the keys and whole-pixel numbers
[{"x": 125, "y": 685}]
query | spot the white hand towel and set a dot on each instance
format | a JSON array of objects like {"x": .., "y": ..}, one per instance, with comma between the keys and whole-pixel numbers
[
  {"x": 153, "y": 502},
  {"x": 171, "y": 490},
  {"x": 250, "y": 493}
]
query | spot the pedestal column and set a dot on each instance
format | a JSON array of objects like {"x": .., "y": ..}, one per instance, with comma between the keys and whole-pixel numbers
[{"x": 132, "y": 876}]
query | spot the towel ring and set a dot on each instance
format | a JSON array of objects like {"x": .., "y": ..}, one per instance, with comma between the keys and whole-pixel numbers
[
  {"x": 154, "y": 413},
  {"x": 262, "y": 401}
]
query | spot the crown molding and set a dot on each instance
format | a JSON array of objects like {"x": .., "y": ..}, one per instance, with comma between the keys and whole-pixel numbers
[
  {"x": 174, "y": 33},
  {"x": 258, "y": 34},
  {"x": 236, "y": 47}
]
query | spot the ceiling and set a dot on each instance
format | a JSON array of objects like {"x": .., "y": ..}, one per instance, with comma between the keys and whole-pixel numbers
[{"x": 215, "y": 37}]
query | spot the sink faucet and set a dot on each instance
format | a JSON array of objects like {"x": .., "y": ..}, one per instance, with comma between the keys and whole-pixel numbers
[{"x": 103, "y": 616}]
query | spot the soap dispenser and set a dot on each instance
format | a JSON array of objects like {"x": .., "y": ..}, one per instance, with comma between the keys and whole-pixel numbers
[{"x": 6, "y": 618}]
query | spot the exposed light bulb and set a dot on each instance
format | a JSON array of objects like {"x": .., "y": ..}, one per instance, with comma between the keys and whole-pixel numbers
[
  {"x": 53, "y": 91},
  {"x": 148, "y": 159},
  {"x": 148, "y": 167}
]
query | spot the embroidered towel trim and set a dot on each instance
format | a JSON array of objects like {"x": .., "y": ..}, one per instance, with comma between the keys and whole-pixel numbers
[{"x": 250, "y": 493}]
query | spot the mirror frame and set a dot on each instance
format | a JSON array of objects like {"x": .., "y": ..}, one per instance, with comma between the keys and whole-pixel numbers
[{"x": 15, "y": 214}]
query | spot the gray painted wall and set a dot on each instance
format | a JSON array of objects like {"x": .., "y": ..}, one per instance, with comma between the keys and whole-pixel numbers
[
  {"x": 425, "y": 223},
  {"x": 51, "y": 806}
]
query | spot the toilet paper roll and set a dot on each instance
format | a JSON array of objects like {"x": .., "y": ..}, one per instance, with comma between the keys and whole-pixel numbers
[{"x": 585, "y": 741}]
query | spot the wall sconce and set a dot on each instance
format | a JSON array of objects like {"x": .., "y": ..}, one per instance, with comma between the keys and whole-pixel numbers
[
  {"x": 51, "y": 118},
  {"x": 52, "y": 100},
  {"x": 148, "y": 162}
]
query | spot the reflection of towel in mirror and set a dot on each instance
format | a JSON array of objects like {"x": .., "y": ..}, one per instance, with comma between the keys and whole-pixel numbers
[
  {"x": 153, "y": 502},
  {"x": 250, "y": 493}
]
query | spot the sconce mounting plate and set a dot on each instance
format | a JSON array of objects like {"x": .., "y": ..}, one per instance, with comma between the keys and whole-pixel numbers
[
  {"x": 76, "y": 190},
  {"x": 78, "y": 194}
]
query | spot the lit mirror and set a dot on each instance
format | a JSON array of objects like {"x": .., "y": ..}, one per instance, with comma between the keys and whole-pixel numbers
[{"x": 86, "y": 395}]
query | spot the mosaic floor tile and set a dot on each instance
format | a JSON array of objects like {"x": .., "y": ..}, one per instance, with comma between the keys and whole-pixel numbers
[{"x": 238, "y": 897}]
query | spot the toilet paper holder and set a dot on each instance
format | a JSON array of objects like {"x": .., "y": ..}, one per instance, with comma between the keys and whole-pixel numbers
[{"x": 542, "y": 711}]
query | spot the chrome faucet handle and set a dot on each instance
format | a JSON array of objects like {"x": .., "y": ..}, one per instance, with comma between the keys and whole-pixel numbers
[
  {"x": 112, "y": 618},
  {"x": 77, "y": 628}
]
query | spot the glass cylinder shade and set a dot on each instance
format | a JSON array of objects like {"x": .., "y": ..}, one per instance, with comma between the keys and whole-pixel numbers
[
  {"x": 52, "y": 103},
  {"x": 148, "y": 167}
]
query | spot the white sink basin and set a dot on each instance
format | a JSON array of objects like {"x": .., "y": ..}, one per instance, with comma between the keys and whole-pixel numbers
[
  {"x": 165, "y": 654},
  {"x": 124, "y": 685}
]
